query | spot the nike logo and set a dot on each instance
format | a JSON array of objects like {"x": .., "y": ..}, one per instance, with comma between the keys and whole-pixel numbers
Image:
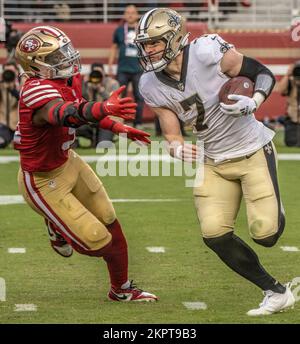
[{"x": 121, "y": 296}]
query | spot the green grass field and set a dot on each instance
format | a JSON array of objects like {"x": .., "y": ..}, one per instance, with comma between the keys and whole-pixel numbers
[{"x": 74, "y": 290}]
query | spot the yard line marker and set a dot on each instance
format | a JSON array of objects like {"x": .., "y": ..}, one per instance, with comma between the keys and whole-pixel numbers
[
  {"x": 27, "y": 307},
  {"x": 2, "y": 289},
  {"x": 16, "y": 250},
  {"x": 121, "y": 200},
  {"x": 156, "y": 249},
  {"x": 195, "y": 306},
  {"x": 144, "y": 157},
  {"x": 11, "y": 199},
  {"x": 18, "y": 199},
  {"x": 290, "y": 248}
]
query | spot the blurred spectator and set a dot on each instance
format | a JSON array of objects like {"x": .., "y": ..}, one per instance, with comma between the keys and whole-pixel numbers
[
  {"x": 9, "y": 95},
  {"x": 289, "y": 86},
  {"x": 129, "y": 70},
  {"x": 63, "y": 12},
  {"x": 97, "y": 87},
  {"x": 12, "y": 37}
]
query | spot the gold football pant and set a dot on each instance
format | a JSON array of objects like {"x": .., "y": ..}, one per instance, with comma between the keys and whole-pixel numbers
[
  {"x": 74, "y": 199},
  {"x": 254, "y": 177}
]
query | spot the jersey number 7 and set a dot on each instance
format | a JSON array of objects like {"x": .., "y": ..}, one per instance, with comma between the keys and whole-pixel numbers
[{"x": 186, "y": 105}]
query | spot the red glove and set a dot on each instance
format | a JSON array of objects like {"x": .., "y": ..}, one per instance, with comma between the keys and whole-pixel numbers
[
  {"x": 120, "y": 107},
  {"x": 119, "y": 128}
]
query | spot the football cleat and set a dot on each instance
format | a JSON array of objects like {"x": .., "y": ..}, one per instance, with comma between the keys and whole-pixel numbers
[
  {"x": 132, "y": 293},
  {"x": 58, "y": 243},
  {"x": 274, "y": 302}
]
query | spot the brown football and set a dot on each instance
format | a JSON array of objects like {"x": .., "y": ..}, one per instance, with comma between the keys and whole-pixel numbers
[{"x": 238, "y": 85}]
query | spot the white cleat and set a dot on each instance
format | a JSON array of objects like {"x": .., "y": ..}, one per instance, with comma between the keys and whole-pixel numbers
[{"x": 274, "y": 302}]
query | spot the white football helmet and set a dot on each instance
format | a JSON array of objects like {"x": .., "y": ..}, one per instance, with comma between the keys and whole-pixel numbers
[{"x": 161, "y": 24}]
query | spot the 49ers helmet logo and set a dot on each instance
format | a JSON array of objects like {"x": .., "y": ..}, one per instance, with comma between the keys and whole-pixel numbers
[{"x": 30, "y": 45}]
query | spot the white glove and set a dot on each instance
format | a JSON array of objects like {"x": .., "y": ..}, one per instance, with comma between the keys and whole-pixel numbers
[{"x": 243, "y": 107}]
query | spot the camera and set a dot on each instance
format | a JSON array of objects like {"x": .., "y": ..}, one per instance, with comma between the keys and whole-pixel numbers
[
  {"x": 96, "y": 77},
  {"x": 8, "y": 75}
]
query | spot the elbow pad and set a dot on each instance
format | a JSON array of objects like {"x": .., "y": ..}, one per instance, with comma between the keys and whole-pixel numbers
[{"x": 263, "y": 78}]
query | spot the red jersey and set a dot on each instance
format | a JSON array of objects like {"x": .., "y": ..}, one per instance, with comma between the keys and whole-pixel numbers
[{"x": 44, "y": 148}]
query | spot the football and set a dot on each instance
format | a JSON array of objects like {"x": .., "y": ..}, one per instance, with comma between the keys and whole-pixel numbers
[{"x": 238, "y": 85}]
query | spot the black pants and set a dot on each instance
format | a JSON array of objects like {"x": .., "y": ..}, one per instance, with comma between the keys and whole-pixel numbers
[{"x": 125, "y": 79}]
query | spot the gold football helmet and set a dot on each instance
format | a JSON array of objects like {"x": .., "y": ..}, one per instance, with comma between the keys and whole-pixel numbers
[
  {"x": 47, "y": 52},
  {"x": 161, "y": 24}
]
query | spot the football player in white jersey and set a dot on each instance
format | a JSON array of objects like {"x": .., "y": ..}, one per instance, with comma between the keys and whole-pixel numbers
[{"x": 182, "y": 80}]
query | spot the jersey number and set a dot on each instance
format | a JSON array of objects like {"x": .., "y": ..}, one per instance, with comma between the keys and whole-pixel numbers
[{"x": 186, "y": 105}]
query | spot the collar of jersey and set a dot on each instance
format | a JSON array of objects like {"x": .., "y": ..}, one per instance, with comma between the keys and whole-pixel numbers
[{"x": 178, "y": 84}]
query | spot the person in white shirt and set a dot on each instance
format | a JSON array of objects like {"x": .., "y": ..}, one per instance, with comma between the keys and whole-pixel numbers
[{"x": 183, "y": 80}]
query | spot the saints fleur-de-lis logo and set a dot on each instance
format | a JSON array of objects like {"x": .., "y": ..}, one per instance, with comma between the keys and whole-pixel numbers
[
  {"x": 268, "y": 149},
  {"x": 174, "y": 20}
]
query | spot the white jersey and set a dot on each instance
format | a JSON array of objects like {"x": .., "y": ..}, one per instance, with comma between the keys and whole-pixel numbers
[{"x": 194, "y": 99}]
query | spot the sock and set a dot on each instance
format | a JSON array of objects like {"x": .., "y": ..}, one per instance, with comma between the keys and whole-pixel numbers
[
  {"x": 240, "y": 257},
  {"x": 117, "y": 257},
  {"x": 126, "y": 285}
]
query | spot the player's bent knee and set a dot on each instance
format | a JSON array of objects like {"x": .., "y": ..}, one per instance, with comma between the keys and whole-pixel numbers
[
  {"x": 109, "y": 216},
  {"x": 270, "y": 240},
  {"x": 96, "y": 235},
  {"x": 212, "y": 227}
]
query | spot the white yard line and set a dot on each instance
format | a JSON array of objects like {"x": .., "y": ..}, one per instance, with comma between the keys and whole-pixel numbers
[
  {"x": 156, "y": 249},
  {"x": 16, "y": 250},
  {"x": 195, "y": 306},
  {"x": 11, "y": 199},
  {"x": 27, "y": 307},
  {"x": 290, "y": 248},
  {"x": 154, "y": 157},
  {"x": 18, "y": 199}
]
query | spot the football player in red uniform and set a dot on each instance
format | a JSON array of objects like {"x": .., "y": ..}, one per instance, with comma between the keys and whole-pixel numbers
[{"x": 53, "y": 179}]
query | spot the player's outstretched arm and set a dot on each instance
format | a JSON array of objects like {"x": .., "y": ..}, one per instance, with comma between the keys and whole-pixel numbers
[
  {"x": 118, "y": 128},
  {"x": 170, "y": 128},
  {"x": 73, "y": 114}
]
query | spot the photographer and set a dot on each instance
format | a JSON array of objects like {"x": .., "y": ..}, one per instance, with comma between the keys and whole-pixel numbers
[
  {"x": 12, "y": 37},
  {"x": 9, "y": 95},
  {"x": 289, "y": 86},
  {"x": 97, "y": 87}
]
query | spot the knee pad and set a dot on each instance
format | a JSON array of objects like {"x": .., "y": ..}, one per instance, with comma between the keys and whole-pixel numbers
[
  {"x": 271, "y": 240},
  {"x": 213, "y": 227},
  {"x": 96, "y": 235}
]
